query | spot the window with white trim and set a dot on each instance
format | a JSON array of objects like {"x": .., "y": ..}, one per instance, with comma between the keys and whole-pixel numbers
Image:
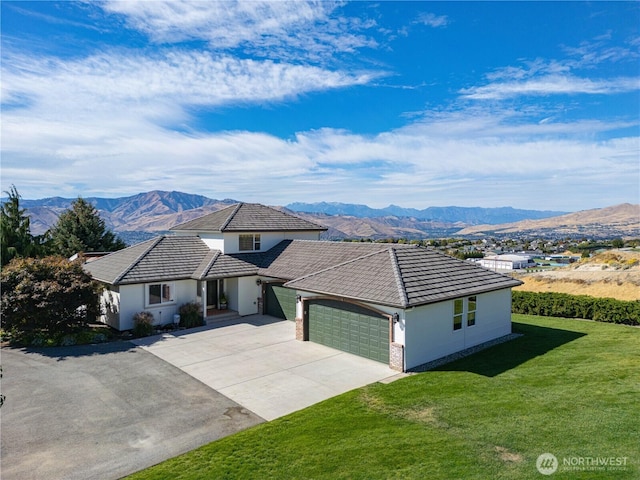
[
  {"x": 160, "y": 294},
  {"x": 464, "y": 307},
  {"x": 458, "y": 306},
  {"x": 249, "y": 242},
  {"x": 471, "y": 311}
]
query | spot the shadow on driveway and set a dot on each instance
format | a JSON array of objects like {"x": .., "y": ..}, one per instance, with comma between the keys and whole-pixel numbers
[{"x": 104, "y": 411}]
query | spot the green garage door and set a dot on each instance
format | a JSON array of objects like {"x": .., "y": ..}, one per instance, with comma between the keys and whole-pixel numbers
[
  {"x": 281, "y": 302},
  {"x": 349, "y": 328}
]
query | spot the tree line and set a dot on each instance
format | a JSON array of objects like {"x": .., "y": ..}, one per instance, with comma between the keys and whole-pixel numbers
[
  {"x": 78, "y": 229},
  {"x": 45, "y": 297}
]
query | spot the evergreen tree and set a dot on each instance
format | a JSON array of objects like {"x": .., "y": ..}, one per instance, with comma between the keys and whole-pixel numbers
[
  {"x": 80, "y": 229},
  {"x": 15, "y": 229}
]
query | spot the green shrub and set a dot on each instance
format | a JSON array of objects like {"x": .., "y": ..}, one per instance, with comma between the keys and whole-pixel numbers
[
  {"x": 142, "y": 324},
  {"x": 551, "y": 304},
  {"x": 190, "y": 315}
]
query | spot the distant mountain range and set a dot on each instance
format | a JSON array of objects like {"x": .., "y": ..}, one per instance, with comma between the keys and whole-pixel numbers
[
  {"x": 616, "y": 221},
  {"x": 466, "y": 215},
  {"x": 140, "y": 216}
]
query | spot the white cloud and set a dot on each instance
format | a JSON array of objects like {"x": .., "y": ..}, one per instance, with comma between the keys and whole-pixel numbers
[
  {"x": 276, "y": 29},
  {"x": 463, "y": 158},
  {"x": 432, "y": 20},
  {"x": 551, "y": 85}
]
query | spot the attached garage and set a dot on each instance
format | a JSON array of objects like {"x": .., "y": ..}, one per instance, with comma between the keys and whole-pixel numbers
[
  {"x": 280, "y": 301},
  {"x": 349, "y": 327}
]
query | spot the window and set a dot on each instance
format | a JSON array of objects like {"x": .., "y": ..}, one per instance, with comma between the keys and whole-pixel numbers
[
  {"x": 471, "y": 311},
  {"x": 159, "y": 293},
  {"x": 457, "y": 314},
  {"x": 459, "y": 311},
  {"x": 249, "y": 242}
]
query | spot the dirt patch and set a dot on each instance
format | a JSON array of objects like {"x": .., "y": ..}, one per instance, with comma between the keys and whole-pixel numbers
[{"x": 507, "y": 456}]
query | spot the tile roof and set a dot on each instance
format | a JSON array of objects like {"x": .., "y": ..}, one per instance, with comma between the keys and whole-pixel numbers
[
  {"x": 162, "y": 258},
  {"x": 248, "y": 217},
  {"x": 403, "y": 277},
  {"x": 389, "y": 274}
]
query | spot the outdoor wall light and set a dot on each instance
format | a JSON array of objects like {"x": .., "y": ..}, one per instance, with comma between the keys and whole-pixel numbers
[
  {"x": 298, "y": 298},
  {"x": 395, "y": 317},
  {"x": 258, "y": 282}
]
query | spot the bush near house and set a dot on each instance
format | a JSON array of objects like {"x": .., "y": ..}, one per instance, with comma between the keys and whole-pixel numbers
[
  {"x": 142, "y": 324},
  {"x": 576, "y": 306},
  {"x": 46, "y": 297},
  {"x": 190, "y": 315}
]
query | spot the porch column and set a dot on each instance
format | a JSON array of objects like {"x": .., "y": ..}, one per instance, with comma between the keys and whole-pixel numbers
[{"x": 204, "y": 301}]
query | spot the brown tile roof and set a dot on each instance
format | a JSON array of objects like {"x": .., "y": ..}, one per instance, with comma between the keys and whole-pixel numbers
[
  {"x": 248, "y": 217},
  {"x": 162, "y": 258},
  {"x": 403, "y": 277},
  {"x": 389, "y": 274}
]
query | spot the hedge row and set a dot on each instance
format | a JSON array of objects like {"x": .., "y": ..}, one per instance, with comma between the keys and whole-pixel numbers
[{"x": 576, "y": 306}]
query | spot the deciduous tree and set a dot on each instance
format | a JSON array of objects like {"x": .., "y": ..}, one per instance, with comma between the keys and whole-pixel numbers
[{"x": 48, "y": 294}]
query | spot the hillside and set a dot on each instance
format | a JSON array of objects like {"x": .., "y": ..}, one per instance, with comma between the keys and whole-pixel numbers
[
  {"x": 157, "y": 211},
  {"x": 619, "y": 220},
  {"x": 614, "y": 274}
]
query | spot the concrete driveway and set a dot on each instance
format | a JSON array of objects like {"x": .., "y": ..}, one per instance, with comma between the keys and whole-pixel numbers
[
  {"x": 103, "y": 412},
  {"x": 257, "y": 362}
]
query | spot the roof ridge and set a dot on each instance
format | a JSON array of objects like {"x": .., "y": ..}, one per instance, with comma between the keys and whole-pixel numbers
[
  {"x": 402, "y": 292},
  {"x": 230, "y": 217},
  {"x": 210, "y": 264},
  {"x": 133, "y": 264}
]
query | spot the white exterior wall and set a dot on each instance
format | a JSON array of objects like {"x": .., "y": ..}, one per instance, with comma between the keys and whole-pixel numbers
[
  {"x": 429, "y": 333},
  {"x": 132, "y": 298},
  {"x": 110, "y": 306},
  {"x": 248, "y": 293},
  {"x": 268, "y": 240},
  {"x": 215, "y": 241}
]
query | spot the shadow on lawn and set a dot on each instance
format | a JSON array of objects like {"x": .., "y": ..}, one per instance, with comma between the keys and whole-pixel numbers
[{"x": 535, "y": 341}]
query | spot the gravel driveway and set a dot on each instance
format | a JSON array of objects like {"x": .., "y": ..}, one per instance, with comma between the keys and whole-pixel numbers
[{"x": 104, "y": 411}]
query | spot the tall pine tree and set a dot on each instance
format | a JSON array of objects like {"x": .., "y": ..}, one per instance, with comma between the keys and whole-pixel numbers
[
  {"x": 15, "y": 229},
  {"x": 80, "y": 229}
]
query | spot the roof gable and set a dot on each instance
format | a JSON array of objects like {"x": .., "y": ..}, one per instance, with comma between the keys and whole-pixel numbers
[{"x": 248, "y": 217}]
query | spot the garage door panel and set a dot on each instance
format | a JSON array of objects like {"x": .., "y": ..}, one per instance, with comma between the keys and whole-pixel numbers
[
  {"x": 281, "y": 302},
  {"x": 349, "y": 328}
]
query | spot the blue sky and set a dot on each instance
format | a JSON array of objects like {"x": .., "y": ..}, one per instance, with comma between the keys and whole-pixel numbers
[{"x": 526, "y": 104}]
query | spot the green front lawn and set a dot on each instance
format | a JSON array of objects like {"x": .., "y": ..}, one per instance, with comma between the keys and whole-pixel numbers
[{"x": 567, "y": 387}]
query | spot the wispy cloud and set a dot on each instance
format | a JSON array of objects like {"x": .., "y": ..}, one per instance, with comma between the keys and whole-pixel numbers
[
  {"x": 573, "y": 75},
  {"x": 432, "y": 20},
  {"x": 279, "y": 29},
  {"x": 551, "y": 85}
]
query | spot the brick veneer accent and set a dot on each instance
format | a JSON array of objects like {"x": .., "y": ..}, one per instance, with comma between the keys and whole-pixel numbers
[
  {"x": 396, "y": 356},
  {"x": 300, "y": 330}
]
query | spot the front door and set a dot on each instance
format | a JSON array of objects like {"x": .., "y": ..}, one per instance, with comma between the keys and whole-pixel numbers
[{"x": 212, "y": 294}]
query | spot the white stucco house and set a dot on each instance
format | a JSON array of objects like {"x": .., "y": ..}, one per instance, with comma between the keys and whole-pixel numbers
[{"x": 403, "y": 305}]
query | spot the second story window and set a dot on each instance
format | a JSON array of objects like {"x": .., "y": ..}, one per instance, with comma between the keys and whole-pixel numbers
[{"x": 249, "y": 242}]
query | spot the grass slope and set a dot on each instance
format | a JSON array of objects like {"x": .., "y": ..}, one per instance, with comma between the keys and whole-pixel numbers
[{"x": 568, "y": 387}]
